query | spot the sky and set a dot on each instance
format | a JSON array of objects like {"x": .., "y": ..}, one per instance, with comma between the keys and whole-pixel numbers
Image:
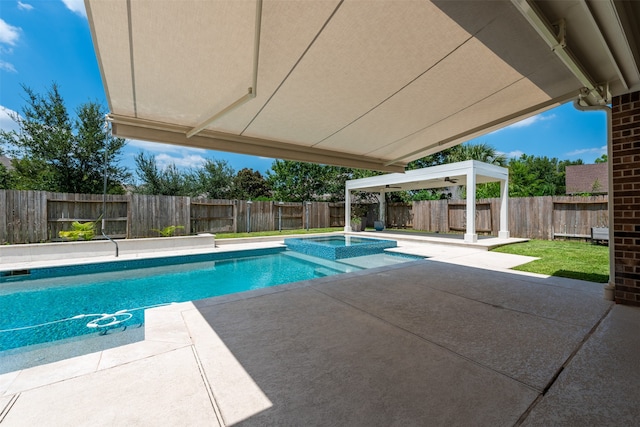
[{"x": 48, "y": 41}]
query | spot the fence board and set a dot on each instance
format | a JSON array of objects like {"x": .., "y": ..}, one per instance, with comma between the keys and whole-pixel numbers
[
  {"x": 336, "y": 215},
  {"x": 64, "y": 208},
  {"x": 399, "y": 215},
  {"x": 574, "y": 217},
  {"x": 23, "y": 219},
  {"x": 158, "y": 212},
  {"x": 214, "y": 216}
]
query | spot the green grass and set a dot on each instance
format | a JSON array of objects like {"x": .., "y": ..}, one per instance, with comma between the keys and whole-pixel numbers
[
  {"x": 277, "y": 233},
  {"x": 575, "y": 260}
]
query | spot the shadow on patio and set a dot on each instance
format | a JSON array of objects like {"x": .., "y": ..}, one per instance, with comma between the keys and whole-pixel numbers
[{"x": 423, "y": 343}]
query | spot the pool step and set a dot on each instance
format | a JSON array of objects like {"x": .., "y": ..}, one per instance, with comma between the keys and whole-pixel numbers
[{"x": 323, "y": 272}]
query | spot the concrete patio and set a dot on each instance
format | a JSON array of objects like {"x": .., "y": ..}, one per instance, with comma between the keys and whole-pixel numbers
[{"x": 453, "y": 340}]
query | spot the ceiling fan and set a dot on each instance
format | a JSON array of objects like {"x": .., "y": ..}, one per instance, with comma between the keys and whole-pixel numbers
[
  {"x": 453, "y": 181},
  {"x": 392, "y": 186}
]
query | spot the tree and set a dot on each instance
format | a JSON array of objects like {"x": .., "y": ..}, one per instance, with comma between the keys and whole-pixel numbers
[
  {"x": 482, "y": 152},
  {"x": 249, "y": 184},
  {"x": 538, "y": 176},
  {"x": 297, "y": 181},
  {"x": 53, "y": 153},
  {"x": 435, "y": 159},
  {"x": 602, "y": 159},
  {"x": 6, "y": 179},
  {"x": 215, "y": 179},
  {"x": 168, "y": 181}
]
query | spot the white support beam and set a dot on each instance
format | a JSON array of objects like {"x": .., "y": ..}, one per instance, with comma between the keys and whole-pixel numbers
[
  {"x": 470, "y": 236},
  {"x": 347, "y": 210},
  {"x": 503, "y": 233}
]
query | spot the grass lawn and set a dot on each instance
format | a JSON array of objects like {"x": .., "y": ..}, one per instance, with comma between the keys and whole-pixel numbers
[
  {"x": 575, "y": 260},
  {"x": 277, "y": 233}
]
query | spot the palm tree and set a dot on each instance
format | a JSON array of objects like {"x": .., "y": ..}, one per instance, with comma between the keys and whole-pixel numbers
[{"x": 482, "y": 152}]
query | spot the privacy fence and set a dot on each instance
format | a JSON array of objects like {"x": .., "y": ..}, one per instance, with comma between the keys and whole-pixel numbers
[{"x": 38, "y": 216}]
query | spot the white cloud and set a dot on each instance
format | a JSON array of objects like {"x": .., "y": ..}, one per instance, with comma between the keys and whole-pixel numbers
[
  {"x": 185, "y": 161},
  {"x": 531, "y": 120},
  {"x": 24, "y": 6},
  {"x": 7, "y": 66},
  {"x": 6, "y": 122},
  {"x": 598, "y": 151},
  {"x": 526, "y": 122},
  {"x": 167, "y": 154},
  {"x": 511, "y": 154},
  {"x": 76, "y": 6},
  {"x": 8, "y": 33}
]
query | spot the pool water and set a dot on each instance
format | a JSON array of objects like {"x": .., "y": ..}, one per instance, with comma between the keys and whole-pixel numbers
[{"x": 44, "y": 309}]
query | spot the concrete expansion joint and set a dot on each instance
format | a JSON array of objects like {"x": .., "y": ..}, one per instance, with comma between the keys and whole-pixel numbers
[
  {"x": 207, "y": 386},
  {"x": 8, "y": 406},
  {"x": 562, "y": 367}
]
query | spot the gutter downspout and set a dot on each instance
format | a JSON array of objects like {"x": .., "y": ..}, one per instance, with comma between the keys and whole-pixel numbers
[{"x": 609, "y": 288}]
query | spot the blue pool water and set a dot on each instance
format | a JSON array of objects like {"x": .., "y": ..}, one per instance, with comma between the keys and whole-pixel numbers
[{"x": 64, "y": 300}]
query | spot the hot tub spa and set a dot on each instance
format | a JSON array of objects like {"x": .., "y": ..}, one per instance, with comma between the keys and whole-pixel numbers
[{"x": 338, "y": 247}]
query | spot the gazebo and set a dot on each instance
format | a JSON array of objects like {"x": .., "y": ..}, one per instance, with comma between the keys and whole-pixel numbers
[{"x": 469, "y": 173}]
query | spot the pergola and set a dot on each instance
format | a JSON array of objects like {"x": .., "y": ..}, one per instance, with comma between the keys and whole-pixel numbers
[{"x": 469, "y": 173}]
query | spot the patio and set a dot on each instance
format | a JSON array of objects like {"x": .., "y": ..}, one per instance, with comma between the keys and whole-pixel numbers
[{"x": 453, "y": 340}]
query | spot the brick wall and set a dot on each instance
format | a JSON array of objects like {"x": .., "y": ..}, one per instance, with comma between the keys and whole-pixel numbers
[{"x": 626, "y": 196}]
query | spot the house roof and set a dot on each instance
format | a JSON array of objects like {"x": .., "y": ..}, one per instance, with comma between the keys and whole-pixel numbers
[
  {"x": 587, "y": 178},
  {"x": 362, "y": 84},
  {"x": 6, "y": 162}
]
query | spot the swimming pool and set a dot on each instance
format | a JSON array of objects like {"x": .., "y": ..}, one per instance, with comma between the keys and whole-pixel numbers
[{"x": 51, "y": 304}]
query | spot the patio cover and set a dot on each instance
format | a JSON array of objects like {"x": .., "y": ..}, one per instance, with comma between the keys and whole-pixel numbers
[
  {"x": 362, "y": 84},
  {"x": 467, "y": 173}
]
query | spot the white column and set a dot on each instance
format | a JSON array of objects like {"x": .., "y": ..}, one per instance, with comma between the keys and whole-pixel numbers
[
  {"x": 504, "y": 210},
  {"x": 347, "y": 210},
  {"x": 383, "y": 209},
  {"x": 471, "y": 236}
]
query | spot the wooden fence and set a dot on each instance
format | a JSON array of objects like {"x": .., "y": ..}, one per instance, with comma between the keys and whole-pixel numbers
[
  {"x": 530, "y": 217},
  {"x": 38, "y": 216}
]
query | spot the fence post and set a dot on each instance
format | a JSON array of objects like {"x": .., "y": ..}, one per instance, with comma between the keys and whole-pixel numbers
[
  {"x": 249, "y": 203},
  {"x": 280, "y": 216},
  {"x": 234, "y": 208}
]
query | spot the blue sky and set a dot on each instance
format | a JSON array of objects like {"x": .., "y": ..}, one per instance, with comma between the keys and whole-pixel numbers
[{"x": 48, "y": 41}]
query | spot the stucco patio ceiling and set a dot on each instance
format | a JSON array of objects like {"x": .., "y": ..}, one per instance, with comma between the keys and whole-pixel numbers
[{"x": 362, "y": 84}]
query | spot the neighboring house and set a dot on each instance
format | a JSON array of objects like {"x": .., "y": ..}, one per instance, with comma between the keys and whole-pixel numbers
[
  {"x": 6, "y": 162},
  {"x": 592, "y": 179}
]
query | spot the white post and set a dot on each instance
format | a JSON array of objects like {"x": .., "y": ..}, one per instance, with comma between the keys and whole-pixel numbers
[
  {"x": 471, "y": 236},
  {"x": 347, "y": 210},
  {"x": 383, "y": 209},
  {"x": 504, "y": 210}
]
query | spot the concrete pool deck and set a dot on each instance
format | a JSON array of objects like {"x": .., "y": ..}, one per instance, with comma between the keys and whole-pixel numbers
[{"x": 453, "y": 340}]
